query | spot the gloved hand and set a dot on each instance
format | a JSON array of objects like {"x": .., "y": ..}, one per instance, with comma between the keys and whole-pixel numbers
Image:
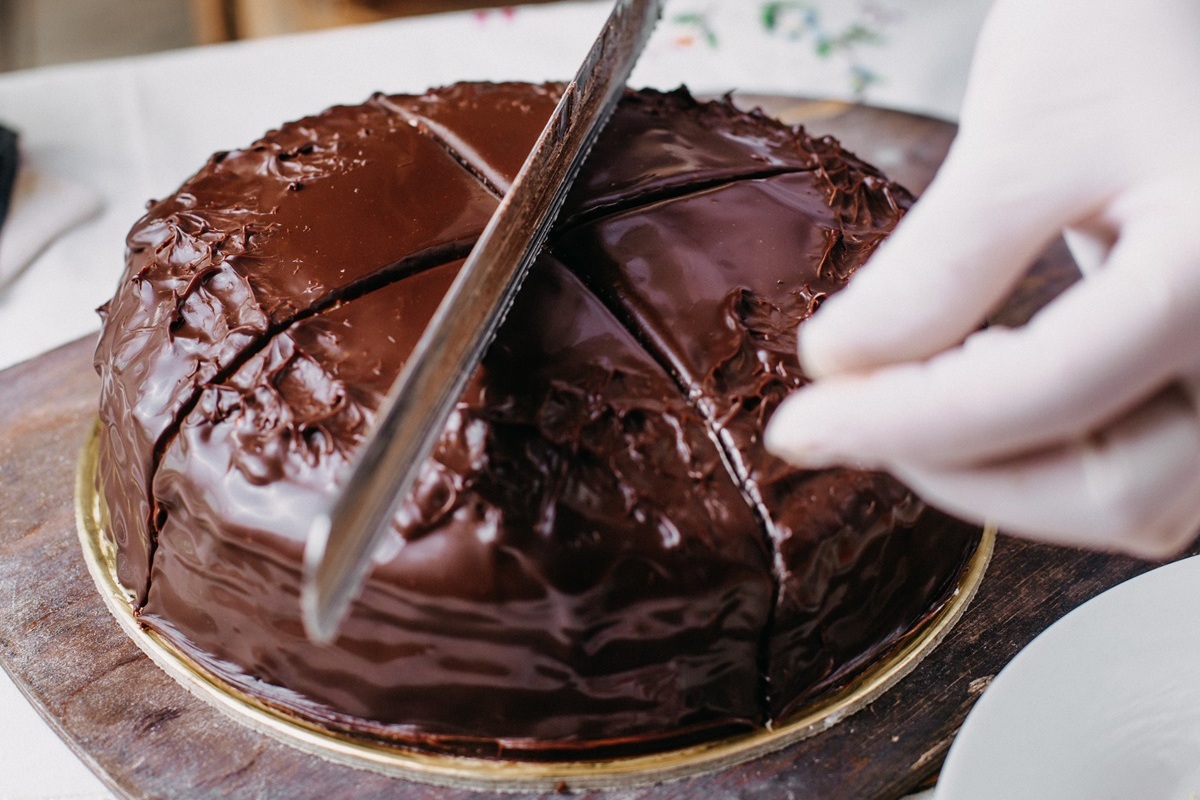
[{"x": 1082, "y": 426}]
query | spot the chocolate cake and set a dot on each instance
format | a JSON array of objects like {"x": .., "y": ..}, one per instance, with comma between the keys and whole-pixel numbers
[{"x": 600, "y": 556}]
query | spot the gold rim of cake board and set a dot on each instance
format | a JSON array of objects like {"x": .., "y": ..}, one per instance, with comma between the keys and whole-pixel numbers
[{"x": 489, "y": 774}]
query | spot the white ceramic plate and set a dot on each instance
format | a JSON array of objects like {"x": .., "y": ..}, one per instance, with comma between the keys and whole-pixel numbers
[{"x": 1104, "y": 704}]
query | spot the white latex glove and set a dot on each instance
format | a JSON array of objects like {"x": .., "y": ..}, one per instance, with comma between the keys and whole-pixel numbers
[{"x": 1080, "y": 427}]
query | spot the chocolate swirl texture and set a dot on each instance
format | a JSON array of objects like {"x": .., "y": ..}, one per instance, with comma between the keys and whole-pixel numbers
[{"x": 600, "y": 556}]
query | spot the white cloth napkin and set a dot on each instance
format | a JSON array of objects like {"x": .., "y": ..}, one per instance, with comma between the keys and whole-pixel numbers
[{"x": 43, "y": 208}]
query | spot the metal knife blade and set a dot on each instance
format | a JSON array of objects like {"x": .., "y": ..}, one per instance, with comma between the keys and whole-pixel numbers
[{"x": 340, "y": 544}]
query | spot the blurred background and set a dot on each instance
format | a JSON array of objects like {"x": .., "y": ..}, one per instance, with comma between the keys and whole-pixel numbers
[{"x": 36, "y": 33}]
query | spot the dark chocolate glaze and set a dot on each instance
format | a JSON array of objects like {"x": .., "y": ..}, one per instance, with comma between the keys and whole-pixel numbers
[
  {"x": 491, "y": 127},
  {"x": 716, "y": 282},
  {"x": 574, "y": 556},
  {"x": 658, "y": 144},
  {"x": 600, "y": 556},
  {"x": 253, "y": 239}
]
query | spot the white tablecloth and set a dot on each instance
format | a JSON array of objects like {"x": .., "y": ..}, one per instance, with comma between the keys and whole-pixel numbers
[{"x": 133, "y": 129}]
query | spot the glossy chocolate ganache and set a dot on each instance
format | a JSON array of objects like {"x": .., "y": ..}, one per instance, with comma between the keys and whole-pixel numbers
[{"x": 600, "y": 556}]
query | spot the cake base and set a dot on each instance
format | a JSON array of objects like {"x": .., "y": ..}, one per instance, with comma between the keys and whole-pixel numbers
[{"x": 498, "y": 774}]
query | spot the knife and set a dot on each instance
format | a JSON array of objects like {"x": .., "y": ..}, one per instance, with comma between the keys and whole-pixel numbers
[{"x": 337, "y": 554}]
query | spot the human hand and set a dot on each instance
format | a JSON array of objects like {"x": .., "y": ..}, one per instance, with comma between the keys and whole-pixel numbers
[{"x": 1082, "y": 426}]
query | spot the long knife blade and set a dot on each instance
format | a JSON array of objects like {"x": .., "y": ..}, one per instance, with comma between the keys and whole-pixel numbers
[{"x": 337, "y": 555}]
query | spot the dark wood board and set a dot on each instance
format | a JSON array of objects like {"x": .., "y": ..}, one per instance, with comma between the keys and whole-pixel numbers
[{"x": 145, "y": 736}]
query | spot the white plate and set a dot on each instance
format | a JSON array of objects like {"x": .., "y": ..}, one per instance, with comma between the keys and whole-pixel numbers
[{"x": 1104, "y": 704}]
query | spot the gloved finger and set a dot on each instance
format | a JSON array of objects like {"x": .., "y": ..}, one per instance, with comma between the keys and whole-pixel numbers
[
  {"x": 1133, "y": 487},
  {"x": 955, "y": 256},
  {"x": 1093, "y": 353}
]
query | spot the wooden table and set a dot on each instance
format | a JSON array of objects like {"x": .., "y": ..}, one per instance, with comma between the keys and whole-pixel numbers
[{"x": 145, "y": 736}]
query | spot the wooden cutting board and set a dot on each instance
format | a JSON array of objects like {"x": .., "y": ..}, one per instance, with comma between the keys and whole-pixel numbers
[{"x": 145, "y": 736}]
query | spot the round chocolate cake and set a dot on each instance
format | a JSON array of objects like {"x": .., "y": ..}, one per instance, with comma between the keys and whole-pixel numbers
[{"x": 600, "y": 556}]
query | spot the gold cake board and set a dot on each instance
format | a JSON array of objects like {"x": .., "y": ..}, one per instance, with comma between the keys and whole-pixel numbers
[
  {"x": 497, "y": 774},
  {"x": 147, "y": 737}
]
